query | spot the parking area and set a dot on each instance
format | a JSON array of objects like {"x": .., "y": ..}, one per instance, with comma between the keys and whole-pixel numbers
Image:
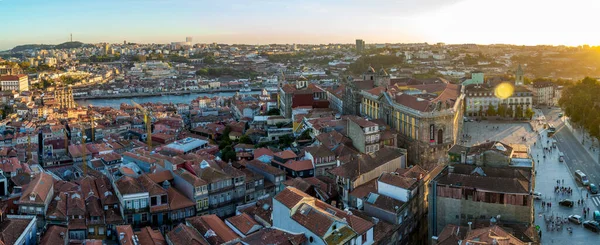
[{"x": 550, "y": 174}]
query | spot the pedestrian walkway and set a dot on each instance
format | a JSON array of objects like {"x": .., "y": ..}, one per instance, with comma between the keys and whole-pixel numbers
[{"x": 596, "y": 200}]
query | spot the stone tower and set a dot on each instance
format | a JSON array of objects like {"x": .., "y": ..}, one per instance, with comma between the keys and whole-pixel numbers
[
  {"x": 519, "y": 76},
  {"x": 382, "y": 79}
]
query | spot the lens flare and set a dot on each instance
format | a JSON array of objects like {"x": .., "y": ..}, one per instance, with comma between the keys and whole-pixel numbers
[{"x": 504, "y": 90}]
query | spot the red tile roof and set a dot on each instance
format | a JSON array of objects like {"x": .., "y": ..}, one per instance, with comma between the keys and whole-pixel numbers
[
  {"x": 149, "y": 236},
  {"x": 160, "y": 177},
  {"x": 290, "y": 197},
  {"x": 243, "y": 222},
  {"x": 55, "y": 235},
  {"x": 212, "y": 222},
  {"x": 287, "y": 154},
  {"x": 269, "y": 236},
  {"x": 128, "y": 234},
  {"x": 185, "y": 235},
  {"x": 298, "y": 165},
  {"x": 38, "y": 188},
  {"x": 178, "y": 200},
  {"x": 11, "y": 229}
]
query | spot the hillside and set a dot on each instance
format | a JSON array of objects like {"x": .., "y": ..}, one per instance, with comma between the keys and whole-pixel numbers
[{"x": 66, "y": 45}]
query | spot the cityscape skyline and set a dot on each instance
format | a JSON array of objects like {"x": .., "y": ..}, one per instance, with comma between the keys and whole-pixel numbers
[{"x": 306, "y": 22}]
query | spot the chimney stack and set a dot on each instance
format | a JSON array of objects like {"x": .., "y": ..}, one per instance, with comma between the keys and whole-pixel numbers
[{"x": 470, "y": 223}]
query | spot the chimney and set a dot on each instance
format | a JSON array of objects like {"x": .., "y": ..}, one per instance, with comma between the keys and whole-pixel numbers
[
  {"x": 470, "y": 223},
  {"x": 62, "y": 235}
]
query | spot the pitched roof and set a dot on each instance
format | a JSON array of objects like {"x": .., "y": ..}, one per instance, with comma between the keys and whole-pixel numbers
[
  {"x": 290, "y": 197},
  {"x": 268, "y": 236},
  {"x": 264, "y": 167},
  {"x": 147, "y": 235},
  {"x": 128, "y": 185},
  {"x": 491, "y": 235},
  {"x": 185, "y": 235},
  {"x": 178, "y": 200},
  {"x": 54, "y": 235},
  {"x": 128, "y": 234},
  {"x": 243, "y": 222},
  {"x": 207, "y": 223},
  {"x": 397, "y": 180},
  {"x": 262, "y": 151},
  {"x": 301, "y": 165},
  {"x": 287, "y": 154},
  {"x": 160, "y": 177},
  {"x": 11, "y": 229},
  {"x": 365, "y": 163},
  {"x": 38, "y": 188}
]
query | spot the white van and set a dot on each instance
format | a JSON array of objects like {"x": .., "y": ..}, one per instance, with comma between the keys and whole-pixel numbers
[{"x": 582, "y": 178}]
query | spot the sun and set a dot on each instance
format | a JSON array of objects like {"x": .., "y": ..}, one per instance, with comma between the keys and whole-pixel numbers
[{"x": 504, "y": 90}]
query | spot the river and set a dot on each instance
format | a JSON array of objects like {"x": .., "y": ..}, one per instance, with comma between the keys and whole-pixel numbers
[{"x": 186, "y": 98}]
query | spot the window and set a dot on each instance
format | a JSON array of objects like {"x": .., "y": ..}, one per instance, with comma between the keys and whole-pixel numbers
[
  {"x": 153, "y": 201},
  {"x": 301, "y": 173},
  {"x": 101, "y": 231},
  {"x": 144, "y": 217},
  {"x": 364, "y": 238},
  {"x": 143, "y": 203},
  {"x": 136, "y": 204},
  {"x": 91, "y": 231},
  {"x": 163, "y": 199},
  {"x": 311, "y": 239}
]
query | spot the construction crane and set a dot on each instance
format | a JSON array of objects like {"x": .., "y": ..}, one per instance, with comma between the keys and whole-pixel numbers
[
  {"x": 148, "y": 124},
  {"x": 83, "y": 148},
  {"x": 92, "y": 125}
]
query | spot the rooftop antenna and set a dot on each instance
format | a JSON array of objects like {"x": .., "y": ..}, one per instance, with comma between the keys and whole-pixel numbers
[{"x": 71, "y": 37}]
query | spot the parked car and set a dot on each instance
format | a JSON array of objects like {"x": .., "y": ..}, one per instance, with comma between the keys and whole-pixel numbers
[
  {"x": 537, "y": 196},
  {"x": 566, "y": 203},
  {"x": 592, "y": 225},
  {"x": 593, "y": 188},
  {"x": 576, "y": 219}
]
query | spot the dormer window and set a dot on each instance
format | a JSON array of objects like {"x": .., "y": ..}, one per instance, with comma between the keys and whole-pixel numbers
[{"x": 32, "y": 197}]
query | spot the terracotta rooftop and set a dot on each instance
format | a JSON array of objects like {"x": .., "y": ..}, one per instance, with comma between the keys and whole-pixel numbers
[
  {"x": 11, "y": 229},
  {"x": 54, "y": 235},
  {"x": 149, "y": 236},
  {"x": 290, "y": 197},
  {"x": 38, "y": 188},
  {"x": 178, "y": 200},
  {"x": 128, "y": 234},
  {"x": 269, "y": 236},
  {"x": 213, "y": 223},
  {"x": 243, "y": 222}
]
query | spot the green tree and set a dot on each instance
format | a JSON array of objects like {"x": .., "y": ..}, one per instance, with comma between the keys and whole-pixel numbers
[
  {"x": 286, "y": 141},
  {"x": 228, "y": 154},
  {"x": 480, "y": 111},
  {"x": 529, "y": 113},
  {"x": 491, "y": 111},
  {"x": 519, "y": 112},
  {"x": 509, "y": 111},
  {"x": 24, "y": 65},
  {"x": 245, "y": 140},
  {"x": 502, "y": 110}
]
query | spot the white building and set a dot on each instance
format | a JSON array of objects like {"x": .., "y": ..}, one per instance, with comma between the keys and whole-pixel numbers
[
  {"x": 321, "y": 223},
  {"x": 480, "y": 97},
  {"x": 543, "y": 93},
  {"x": 14, "y": 82}
]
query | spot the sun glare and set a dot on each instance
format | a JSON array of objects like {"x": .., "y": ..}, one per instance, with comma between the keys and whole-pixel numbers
[{"x": 504, "y": 90}]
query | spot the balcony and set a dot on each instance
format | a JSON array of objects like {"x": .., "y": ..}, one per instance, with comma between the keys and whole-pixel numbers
[{"x": 136, "y": 211}]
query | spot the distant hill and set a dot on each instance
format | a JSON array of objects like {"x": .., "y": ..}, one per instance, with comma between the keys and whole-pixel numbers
[{"x": 66, "y": 45}]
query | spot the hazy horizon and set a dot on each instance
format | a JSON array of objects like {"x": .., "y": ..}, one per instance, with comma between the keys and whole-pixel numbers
[{"x": 534, "y": 22}]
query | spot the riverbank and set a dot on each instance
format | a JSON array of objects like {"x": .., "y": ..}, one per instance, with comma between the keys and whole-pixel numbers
[
  {"x": 168, "y": 98},
  {"x": 157, "y": 94}
]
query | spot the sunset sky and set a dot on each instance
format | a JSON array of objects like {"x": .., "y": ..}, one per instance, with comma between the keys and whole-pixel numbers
[{"x": 527, "y": 22}]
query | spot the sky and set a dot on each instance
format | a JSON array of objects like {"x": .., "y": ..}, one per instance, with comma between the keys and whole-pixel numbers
[{"x": 522, "y": 22}]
